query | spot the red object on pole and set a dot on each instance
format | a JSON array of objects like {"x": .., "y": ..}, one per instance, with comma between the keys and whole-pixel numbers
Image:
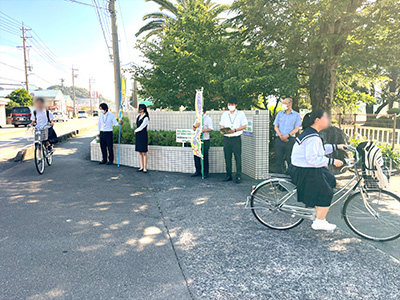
[
  {"x": 97, "y": 94},
  {"x": 90, "y": 96}
]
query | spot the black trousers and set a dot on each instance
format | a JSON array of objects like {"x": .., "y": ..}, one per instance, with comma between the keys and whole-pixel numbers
[
  {"x": 106, "y": 143},
  {"x": 233, "y": 145},
  {"x": 197, "y": 160},
  {"x": 283, "y": 150}
]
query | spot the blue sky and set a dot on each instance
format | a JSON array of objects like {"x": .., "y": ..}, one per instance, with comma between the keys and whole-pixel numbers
[{"x": 72, "y": 31}]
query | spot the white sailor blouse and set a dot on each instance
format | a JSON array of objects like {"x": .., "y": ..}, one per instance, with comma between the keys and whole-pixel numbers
[{"x": 309, "y": 150}]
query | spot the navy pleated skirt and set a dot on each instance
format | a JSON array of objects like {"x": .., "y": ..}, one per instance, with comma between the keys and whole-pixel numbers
[{"x": 314, "y": 185}]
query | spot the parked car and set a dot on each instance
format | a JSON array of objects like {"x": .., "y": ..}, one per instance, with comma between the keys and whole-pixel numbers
[
  {"x": 21, "y": 115},
  {"x": 82, "y": 114},
  {"x": 60, "y": 116},
  {"x": 95, "y": 113}
]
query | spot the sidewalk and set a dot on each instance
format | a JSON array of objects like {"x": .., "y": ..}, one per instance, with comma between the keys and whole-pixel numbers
[{"x": 86, "y": 231}]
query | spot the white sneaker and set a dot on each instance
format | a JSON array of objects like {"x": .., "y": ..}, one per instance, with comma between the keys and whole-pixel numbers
[{"x": 323, "y": 225}]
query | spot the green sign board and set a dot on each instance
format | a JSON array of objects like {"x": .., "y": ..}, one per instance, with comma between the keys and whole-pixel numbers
[{"x": 184, "y": 135}]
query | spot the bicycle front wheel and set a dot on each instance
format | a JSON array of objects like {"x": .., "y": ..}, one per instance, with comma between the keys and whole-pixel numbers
[
  {"x": 39, "y": 158},
  {"x": 377, "y": 217},
  {"x": 265, "y": 201}
]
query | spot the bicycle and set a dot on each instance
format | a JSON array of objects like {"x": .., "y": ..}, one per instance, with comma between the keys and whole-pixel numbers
[
  {"x": 369, "y": 211},
  {"x": 42, "y": 152}
]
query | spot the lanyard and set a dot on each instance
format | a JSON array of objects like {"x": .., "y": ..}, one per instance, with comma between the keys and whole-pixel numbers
[
  {"x": 105, "y": 121},
  {"x": 232, "y": 122}
]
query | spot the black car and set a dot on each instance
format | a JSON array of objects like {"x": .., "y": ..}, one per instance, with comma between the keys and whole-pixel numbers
[
  {"x": 95, "y": 113},
  {"x": 21, "y": 116}
]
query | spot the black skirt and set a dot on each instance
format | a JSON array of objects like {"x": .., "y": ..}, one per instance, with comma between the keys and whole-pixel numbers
[
  {"x": 141, "y": 141},
  {"x": 314, "y": 185}
]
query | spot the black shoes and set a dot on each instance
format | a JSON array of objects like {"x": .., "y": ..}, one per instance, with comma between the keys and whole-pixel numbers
[
  {"x": 238, "y": 179},
  {"x": 139, "y": 170},
  {"x": 228, "y": 178},
  {"x": 109, "y": 163},
  {"x": 196, "y": 174},
  {"x": 102, "y": 162}
]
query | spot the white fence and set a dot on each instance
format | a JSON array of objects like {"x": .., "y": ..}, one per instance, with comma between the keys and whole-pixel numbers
[{"x": 378, "y": 134}]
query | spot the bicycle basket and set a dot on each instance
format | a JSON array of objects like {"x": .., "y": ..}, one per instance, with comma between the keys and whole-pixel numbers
[
  {"x": 378, "y": 178},
  {"x": 41, "y": 134}
]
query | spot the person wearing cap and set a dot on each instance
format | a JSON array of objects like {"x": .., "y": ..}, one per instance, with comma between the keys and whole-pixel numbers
[
  {"x": 207, "y": 128},
  {"x": 287, "y": 123},
  {"x": 233, "y": 122}
]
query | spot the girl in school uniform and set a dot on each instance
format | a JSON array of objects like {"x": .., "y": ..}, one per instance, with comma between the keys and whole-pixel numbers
[
  {"x": 308, "y": 171},
  {"x": 141, "y": 137}
]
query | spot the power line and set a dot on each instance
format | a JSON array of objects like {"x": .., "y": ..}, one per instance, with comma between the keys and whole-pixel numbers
[
  {"x": 9, "y": 26},
  {"x": 83, "y": 3},
  {"x": 101, "y": 25},
  {"x": 11, "y": 19},
  {"x": 11, "y": 66},
  {"x": 123, "y": 26}
]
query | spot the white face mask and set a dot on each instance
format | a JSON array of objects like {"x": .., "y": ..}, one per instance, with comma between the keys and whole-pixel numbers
[
  {"x": 284, "y": 106},
  {"x": 231, "y": 107},
  {"x": 102, "y": 111}
]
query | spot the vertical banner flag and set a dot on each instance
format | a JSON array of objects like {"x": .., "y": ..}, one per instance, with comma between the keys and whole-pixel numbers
[
  {"x": 196, "y": 139},
  {"x": 123, "y": 94}
]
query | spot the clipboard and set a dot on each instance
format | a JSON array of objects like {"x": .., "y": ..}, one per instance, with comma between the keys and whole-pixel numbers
[{"x": 225, "y": 130}]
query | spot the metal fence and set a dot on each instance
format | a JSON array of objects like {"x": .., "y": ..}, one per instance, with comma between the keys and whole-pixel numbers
[{"x": 381, "y": 128}]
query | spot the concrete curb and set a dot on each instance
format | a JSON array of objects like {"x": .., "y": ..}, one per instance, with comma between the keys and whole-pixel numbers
[{"x": 28, "y": 152}]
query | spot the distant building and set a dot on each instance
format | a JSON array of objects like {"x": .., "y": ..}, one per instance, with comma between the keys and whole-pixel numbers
[
  {"x": 3, "y": 103},
  {"x": 87, "y": 103},
  {"x": 55, "y": 100}
]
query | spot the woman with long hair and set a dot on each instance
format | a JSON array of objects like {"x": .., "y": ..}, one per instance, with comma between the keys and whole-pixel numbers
[
  {"x": 141, "y": 136},
  {"x": 309, "y": 171}
]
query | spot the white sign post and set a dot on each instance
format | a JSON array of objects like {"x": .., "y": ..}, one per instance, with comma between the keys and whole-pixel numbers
[{"x": 184, "y": 136}]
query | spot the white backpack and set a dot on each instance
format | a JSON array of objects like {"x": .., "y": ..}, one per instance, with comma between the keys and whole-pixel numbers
[{"x": 373, "y": 164}]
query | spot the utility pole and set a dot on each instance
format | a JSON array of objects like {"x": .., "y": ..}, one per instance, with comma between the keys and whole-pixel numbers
[
  {"x": 73, "y": 86},
  {"x": 91, "y": 80},
  {"x": 24, "y": 37},
  {"x": 117, "y": 65},
  {"x": 135, "y": 103},
  {"x": 62, "y": 82}
]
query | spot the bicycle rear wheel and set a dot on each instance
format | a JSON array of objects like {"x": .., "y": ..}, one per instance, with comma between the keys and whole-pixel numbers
[
  {"x": 378, "y": 219},
  {"x": 265, "y": 201},
  {"x": 39, "y": 158}
]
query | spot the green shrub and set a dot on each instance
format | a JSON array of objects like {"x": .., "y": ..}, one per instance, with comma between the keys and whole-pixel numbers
[
  {"x": 393, "y": 111},
  {"x": 387, "y": 151},
  {"x": 158, "y": 138}
]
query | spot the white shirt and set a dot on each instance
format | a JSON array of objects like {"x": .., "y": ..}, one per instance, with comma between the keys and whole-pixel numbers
[
  {"x": 144, "y": 124},
  {"x": 41, "y": 118},
  {"x": 207, "y": 124},
  {"x": 106, "y": 122},
  {"x": 311, "y": 153},
  {"x": 233, "y": 121}
]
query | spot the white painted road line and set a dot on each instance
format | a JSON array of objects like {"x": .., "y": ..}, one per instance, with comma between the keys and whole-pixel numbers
[{"x": 17, "y": 150}]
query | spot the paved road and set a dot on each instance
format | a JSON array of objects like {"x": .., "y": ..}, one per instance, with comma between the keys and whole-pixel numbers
[
  {"x": 85, "y": 231},
  {"x": 13, "y": 139}
]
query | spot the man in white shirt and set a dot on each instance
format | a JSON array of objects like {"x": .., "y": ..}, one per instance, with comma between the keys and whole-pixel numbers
[
  {"x": 207, "y": 128},
  {"x": 106, "y": 122},
  {"x": 233, "y": 122}
]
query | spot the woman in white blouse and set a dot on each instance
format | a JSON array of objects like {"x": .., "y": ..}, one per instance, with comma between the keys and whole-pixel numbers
[
  {"x": 142, "y": 138},
  {"x": 314, "y": 181}
]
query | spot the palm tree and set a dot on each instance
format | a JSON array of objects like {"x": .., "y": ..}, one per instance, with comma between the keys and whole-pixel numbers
[{"x": 160, "y": 19}]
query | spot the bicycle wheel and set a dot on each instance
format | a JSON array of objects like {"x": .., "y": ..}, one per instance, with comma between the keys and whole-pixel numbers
[
  {"x": 265, "y": 201},
  {"x": 39, "y": 158},
  {"x": 49, "y": 156},
  {"x": 378, "y": 219}
]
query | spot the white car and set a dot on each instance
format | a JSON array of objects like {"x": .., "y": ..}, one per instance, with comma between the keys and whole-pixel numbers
[
  {"x": 60, "y": 116},
  {"x": 82, "y": 114}
]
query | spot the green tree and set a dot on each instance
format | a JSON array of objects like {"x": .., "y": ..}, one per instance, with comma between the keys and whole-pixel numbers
[
  {"x": 191, "y": 53},
  {"x": 168, "y": 13},
  {"x": 313, "y": 36},
  {"x": 18, "y": 97}
]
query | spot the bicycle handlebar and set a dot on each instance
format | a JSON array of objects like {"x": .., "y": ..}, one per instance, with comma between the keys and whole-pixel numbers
[{"x": 356, "y": 160}]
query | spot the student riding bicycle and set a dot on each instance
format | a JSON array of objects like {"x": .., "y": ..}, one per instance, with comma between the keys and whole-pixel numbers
[
  {"x": 314, "y": 181},
  {"x": 42, "y": 119}
]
